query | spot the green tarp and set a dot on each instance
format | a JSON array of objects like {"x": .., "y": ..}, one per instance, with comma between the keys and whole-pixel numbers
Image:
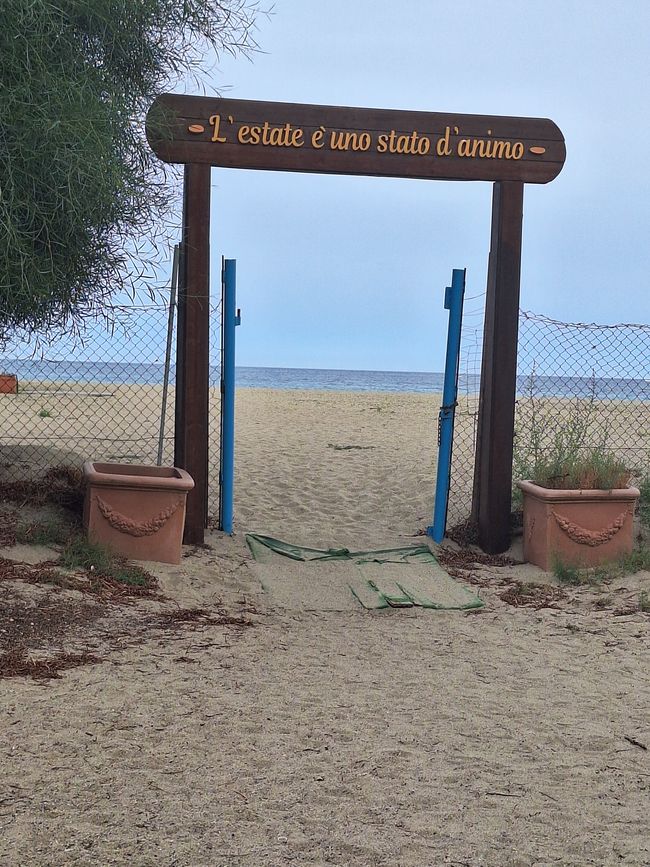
[{"x": 385, "y": 578}]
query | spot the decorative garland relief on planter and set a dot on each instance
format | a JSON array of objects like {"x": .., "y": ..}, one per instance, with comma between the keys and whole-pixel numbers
[
  {"x": 583, "y": 536},
  {"x": 136, "y": 528}
]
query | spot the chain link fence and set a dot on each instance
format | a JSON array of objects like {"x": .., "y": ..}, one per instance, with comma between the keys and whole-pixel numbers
[
  {"x": 466, "y": 422},
  {"x": 591, "y": 380},
  {"x": 99, "y": 395}
]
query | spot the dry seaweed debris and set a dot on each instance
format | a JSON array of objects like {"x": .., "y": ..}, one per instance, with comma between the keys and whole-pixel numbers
[
  {"x": 198, "y": 617},
  {"x": 62, "y": 486},
  {"x": 461, "y": 562},
  {"x": 535, "y": 596},
  {"x": 94, "y": 583},
  {"x": 39, "y": 628},
  {"x": 466, "y": 532},
  {"x": 464, "y": 558},
  {"x": 16, "y": 662},
  {"x": 463, "y": 534}
]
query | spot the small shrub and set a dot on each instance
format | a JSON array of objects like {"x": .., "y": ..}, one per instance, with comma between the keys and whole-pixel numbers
[
  {"x": 126, "y": 573},
  {"x": 45, "y": 413},
  {"x": 594, "y": 469}
]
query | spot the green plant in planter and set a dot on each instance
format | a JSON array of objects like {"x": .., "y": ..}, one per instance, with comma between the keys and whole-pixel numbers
[
  {"x": 566, "y": 451},
  {"x": 590, "y": 469}
]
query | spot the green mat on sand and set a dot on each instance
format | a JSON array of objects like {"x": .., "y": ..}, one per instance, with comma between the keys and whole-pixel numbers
[{"x": 386, "y": 578}]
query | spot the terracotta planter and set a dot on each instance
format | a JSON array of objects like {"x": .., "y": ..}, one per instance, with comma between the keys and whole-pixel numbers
[
  {"x": 8, "y": 383},
  {"x": 137, "y": 511},
  {"x": 577, "y": 528}
]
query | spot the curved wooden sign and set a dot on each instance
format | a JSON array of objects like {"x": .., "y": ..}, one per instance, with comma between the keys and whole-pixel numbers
[{"x": 245, "y": 134}]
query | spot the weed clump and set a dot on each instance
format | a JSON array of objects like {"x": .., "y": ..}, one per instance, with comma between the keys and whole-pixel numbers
[
  {"x": 568, "y": 574},
  {"x": 81, "y": 553},
  {"x": 637, "y": 560}
]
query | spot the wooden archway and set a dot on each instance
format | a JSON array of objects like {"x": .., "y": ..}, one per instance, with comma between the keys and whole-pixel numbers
[{"x": 201, "y": 132}]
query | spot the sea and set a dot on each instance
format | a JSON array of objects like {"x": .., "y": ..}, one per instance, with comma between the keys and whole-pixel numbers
[{"x": 124, "y": 373}]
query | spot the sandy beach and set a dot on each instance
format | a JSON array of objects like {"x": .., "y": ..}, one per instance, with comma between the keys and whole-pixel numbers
[{"x": 280, "y": 734}]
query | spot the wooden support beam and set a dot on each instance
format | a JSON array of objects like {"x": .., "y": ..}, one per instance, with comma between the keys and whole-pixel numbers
[
  {"x": 493, "y": 467},
  {"x": 193, "y": 349}
]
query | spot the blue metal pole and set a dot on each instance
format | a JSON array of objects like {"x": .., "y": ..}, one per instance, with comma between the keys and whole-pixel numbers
[
  {"x": 454, "y": 295},
  {"x": 231, "y": 319}
]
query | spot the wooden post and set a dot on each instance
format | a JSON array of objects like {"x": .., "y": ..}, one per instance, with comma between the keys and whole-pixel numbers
[
  {"x": 493, "y": 468},
  {"x": 193, "y": 349}
]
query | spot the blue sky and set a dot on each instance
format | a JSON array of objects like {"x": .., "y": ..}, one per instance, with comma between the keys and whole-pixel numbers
[{"x": 349, "y": 272}]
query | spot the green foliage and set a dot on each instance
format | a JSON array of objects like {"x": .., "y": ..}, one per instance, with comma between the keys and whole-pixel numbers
[
  {"x": 45, "y": 413},
  {"x": 593, "y": 469},
  {"x": 636, "y": 561},
  {"x": 81, "y": 553},
  {"x": 82, "y": 198},
  {"x": 126, "y": 573},
  {"x": 567, "y": 449}
]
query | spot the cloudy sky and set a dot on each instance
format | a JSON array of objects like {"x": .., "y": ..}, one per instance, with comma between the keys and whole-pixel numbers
[{"x": 349, "y": 272}]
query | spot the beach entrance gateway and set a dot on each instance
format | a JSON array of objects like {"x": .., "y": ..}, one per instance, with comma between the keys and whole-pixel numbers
[{"x": 201, "y": 132}]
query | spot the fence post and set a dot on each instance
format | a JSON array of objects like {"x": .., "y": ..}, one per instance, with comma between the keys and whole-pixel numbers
[
  {"x": 454, "y": 295},
  {"x": 230, "y": 319},
  {"x": 496, "y": 421},
  {"x": 193, "y": 349}
]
